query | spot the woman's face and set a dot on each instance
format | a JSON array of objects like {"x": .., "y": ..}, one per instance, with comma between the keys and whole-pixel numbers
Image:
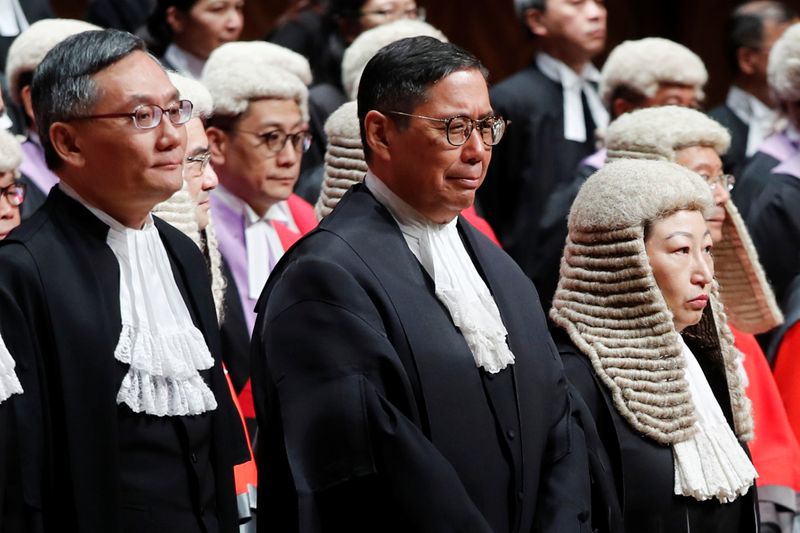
[
  {"x": 208, "y": 25},
  {"x": 679, "y": 250},
  {"x": 705, "y": 161},
  {"x": 9, "y": 213}
]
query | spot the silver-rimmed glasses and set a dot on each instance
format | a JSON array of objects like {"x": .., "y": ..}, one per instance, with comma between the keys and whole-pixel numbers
[
  {"x": 459, "y": 128},
  {"x": 148, "y": 116},
  {"x": 722, "y": 180}
]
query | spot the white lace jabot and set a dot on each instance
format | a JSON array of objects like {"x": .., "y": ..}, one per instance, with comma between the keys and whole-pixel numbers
[
  {"x": 457, "y": 283},
  {"x": 163, "y": 348},
  {"x": 712, "y": 463},
  {"x": 9, "y": 384}
]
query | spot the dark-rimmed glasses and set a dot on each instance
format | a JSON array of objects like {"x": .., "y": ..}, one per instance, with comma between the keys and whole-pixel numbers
[
  {"x": 148, "y": 116},
  {"x": 14, "y": 193},
  {"x": 459, "y": 128},
  {"x": 275, "y": 140},
  {"x": 198, "y": 163},
  {"x": 722, "y": 180}
]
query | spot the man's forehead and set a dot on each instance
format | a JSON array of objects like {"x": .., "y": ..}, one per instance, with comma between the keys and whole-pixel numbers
[{"x": 136, "y": 78}]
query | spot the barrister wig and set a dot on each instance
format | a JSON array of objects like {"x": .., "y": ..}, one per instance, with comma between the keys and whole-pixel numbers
[
  {"x": 195, "y": 92},
  {"x": 610, "y": 305},
  {"x": 658, "y": 133},
  {"x": 344, "y": 158},
  {"x": 645, "y": 64},
  {"x": 239, "y": 72},
  {"x": 783, "y": 69},
  {"x": 30, "y": 47},
  {"x": 366, "y": 45},
  {"x": 10, "y": 153}
]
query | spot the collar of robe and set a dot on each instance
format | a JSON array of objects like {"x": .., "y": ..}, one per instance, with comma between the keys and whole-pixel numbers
[
  {"x": 457, "y": 284},
  {"x": 159, "y": 342}
]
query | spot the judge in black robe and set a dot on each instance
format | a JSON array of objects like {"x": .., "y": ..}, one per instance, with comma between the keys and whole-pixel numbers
[
  {"x": 735, "y": 159},
  {"x": 372, "y": 413},
  {"x": 88, "y": 464}
]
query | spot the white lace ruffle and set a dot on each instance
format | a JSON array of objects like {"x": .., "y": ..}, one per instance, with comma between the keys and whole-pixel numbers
[
  {"x": 163, "y": 377},
  {"x": 712, "y": 464},
  {"x": 9, "y": 383},
  {"x": 485, "y": 335}
]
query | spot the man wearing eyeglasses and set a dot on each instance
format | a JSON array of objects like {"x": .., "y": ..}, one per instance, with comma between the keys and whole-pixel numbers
[
  {"x": 126, "y": 423},
  {"x": 403, "y": 374}
]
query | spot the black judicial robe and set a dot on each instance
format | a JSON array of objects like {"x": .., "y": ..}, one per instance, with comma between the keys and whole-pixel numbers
[
  {"x": 735, "y": 159},
  {"x": 774, "y": 224},
  {"x": 372, "y": 413},
  {"x": 643, "y": 470},
  {"x": 88, "y": 464},
  {"x": 530, "y": 161}
]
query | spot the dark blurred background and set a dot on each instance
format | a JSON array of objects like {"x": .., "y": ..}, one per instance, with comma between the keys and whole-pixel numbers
[{"x": 490, "y": 29}]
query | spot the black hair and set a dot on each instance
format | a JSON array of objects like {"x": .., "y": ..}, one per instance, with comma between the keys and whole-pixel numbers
[
  {"x": 157, "y": 24},
  {"x": 398, "y": 77},
  {"x": 62, "y": 88},
  {"x": 745, "y": 27}
]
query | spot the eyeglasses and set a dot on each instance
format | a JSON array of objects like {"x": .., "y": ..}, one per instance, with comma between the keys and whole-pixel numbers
[
  {"x": 148, "y": 116},
  {"x": 199, "y": 162},
  {"x": 14, "y": 193},
  {"x": 275, "y": 140},
  {"x": 459, "y": 128},
  {"x": 394, "y": 12},
  {"x": 722, "y": 180}
]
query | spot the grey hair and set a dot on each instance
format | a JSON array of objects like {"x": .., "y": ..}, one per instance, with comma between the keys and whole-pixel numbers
[{"x": 63, "y": 89}]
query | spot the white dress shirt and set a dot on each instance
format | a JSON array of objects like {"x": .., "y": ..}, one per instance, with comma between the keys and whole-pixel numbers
[{"x": 759, "y": 117}]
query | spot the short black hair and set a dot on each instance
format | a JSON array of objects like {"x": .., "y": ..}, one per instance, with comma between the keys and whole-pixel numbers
[
  {"x": 745, "y": 27},
  {"x": 398, "y": 77},
  {"x": 157, "y": 25},
  {"x": 62, "y": 88},
  {"x": 522, "y": 6}
]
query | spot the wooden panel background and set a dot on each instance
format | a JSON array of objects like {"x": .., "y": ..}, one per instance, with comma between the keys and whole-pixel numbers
[{"x": 490, "y": 30}]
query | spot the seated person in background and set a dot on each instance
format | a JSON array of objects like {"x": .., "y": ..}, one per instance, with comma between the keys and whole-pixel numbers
[
  {"x": 772, "y": 179},
  {"x": 187, "y": 31},
  {"x": 695, "y": 141},
  {"x": 645, "y": 341},
  {"x": 645, "y": 73},
  {"x": 748, "y": 112}
]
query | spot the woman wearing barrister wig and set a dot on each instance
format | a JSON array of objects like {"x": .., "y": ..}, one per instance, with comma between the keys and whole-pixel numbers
[{"x": 646, "y": 343}]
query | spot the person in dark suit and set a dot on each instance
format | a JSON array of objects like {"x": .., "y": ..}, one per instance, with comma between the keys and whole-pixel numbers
[
  {"x": 403, "y": 374},
  {"x": 749, "y": 110},
  {"x": 554, "y": 109},
  {"x": 126, "y": 423}
]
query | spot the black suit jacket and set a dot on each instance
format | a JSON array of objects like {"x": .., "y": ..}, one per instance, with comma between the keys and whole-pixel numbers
[
  {"x": 529, "y": 163},
  {"x": 735, "y": 159},
  {"x": 59, "y": 314},
  {"x": 372, "y": 412}
]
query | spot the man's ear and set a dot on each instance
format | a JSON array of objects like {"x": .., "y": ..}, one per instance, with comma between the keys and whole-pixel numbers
[
  {"x": 534, "y": 20},
  {"x": 746, "y": 59},
  {"x": 621, "y": 106},
  {"x": 175, "y": 19},
  {"x": 27, "y": 103},
  {"x": 377, "y": 127},
  {"x": 67, "y": 143},
  {"x": 217, "y": 144}
]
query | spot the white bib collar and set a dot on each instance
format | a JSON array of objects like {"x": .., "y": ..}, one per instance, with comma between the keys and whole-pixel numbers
[
  {"x": 711, "y": 463},
  {"x": 759, "y": 117},
  {"x": 458, "y": 285},
  {"x": 572, "y": 86},
  {"x": 162, "y": 347}
]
